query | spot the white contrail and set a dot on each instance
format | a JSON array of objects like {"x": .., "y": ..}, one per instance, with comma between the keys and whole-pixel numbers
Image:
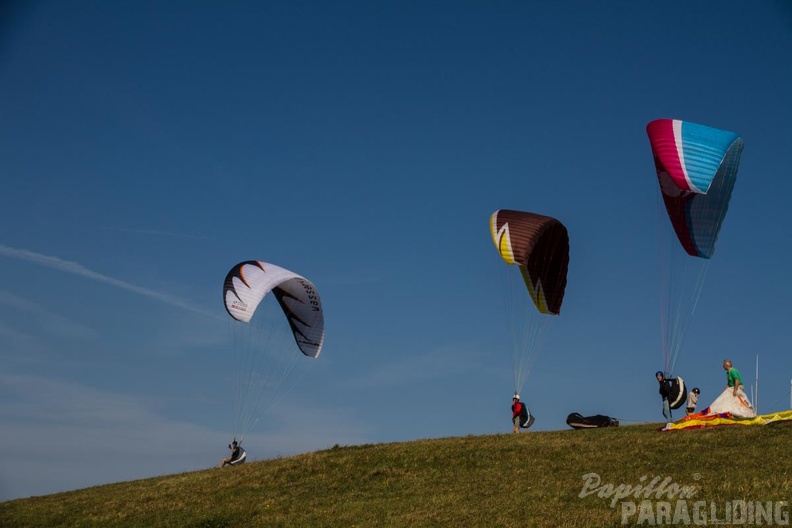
[{"x": 79, "y": 269}]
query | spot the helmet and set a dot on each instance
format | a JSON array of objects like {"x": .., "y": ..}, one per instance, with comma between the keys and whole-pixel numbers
[
  {"x": 659, "y": 373},
  {"x": 696, "y": 390},
  {"x": 516, "y": 396}
]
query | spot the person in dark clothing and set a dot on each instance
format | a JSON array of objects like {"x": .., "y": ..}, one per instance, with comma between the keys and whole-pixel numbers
[
  {"x": 665, "y": 391},
  {"x": 237, "y": 455}
]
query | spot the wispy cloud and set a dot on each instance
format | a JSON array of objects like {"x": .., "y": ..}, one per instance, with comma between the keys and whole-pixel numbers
[
  {"x": 78, "y": 269},
  {"x": 406, "y": 369},
  {"x": 70, "y": 427},
  {"x": 53, "y": 323},
  {"x": 73, "y": 436}
]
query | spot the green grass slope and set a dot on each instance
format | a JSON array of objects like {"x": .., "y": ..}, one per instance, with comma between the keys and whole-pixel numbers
[{"x": 530, "y": 479}]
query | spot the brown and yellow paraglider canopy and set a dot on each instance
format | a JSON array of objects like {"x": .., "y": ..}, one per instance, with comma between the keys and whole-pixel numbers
[{"x": 539, "y": 245}]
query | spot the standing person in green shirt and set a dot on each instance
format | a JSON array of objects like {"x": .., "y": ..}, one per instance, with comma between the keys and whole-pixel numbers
[{"x": 733, "y": 378}]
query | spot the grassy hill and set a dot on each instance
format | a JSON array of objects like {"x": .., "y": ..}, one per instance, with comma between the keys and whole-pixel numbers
[{"x": 530, "y": 479}]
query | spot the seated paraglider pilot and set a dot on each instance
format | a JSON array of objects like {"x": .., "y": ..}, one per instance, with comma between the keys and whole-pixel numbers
[{"x": 237, "y": 455}]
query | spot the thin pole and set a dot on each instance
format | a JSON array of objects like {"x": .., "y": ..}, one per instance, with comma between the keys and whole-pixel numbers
[{"x": 756, "y": 397}]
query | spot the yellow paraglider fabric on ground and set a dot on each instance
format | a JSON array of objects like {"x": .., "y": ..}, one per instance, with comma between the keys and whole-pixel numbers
[{"x": 701, "y": 420}]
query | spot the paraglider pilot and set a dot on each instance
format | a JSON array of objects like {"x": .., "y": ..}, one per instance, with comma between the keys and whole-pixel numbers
[
  {"x": 665, "y": 391},
  {"x": 237, "y": 455},
  {"x": 517, "y": 407}
]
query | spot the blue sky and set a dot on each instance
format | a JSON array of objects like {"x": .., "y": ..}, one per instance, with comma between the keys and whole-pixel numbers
[{"x": 147, "y": 147}]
